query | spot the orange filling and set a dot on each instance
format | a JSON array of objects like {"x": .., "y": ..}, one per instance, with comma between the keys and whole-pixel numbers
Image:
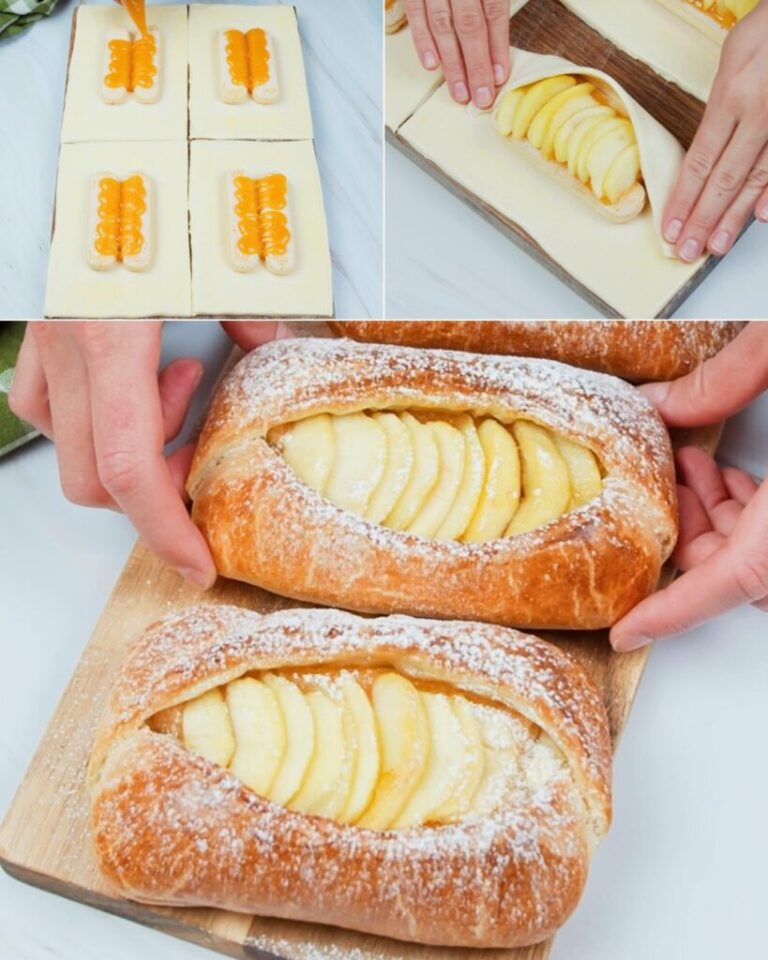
[
  {"x": 258, "y": 204},
  {"x": 248, "y": 58},
  {"x": 132, "y": 63},
  {"x": 122, "y": 205},
  {"x": 723, "y": 17},
  {"x": 137, "y": 13}
]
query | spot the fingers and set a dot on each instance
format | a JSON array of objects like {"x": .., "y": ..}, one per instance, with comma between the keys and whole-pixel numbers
[
  {"x": 249, "y": 334},
  {"x": 740, "y": 486},
  {"x": 28, "y": 397},
  {"x": 128, "y": 433},
  {"x": 472, "y": 30},
  {"x": 497, "y": 18},
  {"x": 177, "y": 384},
  {"x": 440, "y": 19},
  {"x": 426, "y": 49},
  {"x": 702, "y": 476},
  {"x": 705, "y": 150},
  {"x": 719, "y": 387},
  {"x": 699, "y": 550},
  {"x": 724, "y": 235}
]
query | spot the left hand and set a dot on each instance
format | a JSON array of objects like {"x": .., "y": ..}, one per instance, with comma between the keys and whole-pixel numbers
[{"x": 724, "y": 178}]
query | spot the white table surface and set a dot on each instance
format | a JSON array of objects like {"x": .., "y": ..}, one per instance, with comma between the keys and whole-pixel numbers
[
  {"x": 681, "y": 876},
  {"x": 343, "y": 58},
  {"x": 444, "y": 260}
]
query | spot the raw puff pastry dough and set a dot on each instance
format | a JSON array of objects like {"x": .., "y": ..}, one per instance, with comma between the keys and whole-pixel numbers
[
  {"x": 76, "y": 290},
  {"x": 217, "y": 288},
  {"x": 88, "y": 117},
  {"x": 648, "y": 32},
  {"x": 626, "y": 265},
  {"x": 289, "y": 118}
]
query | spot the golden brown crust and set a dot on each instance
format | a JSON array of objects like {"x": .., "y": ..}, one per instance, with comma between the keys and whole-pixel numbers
[
  {"x": 171, "y": 827},
  {"x": 583, "y": 571},
  {"x": 634, "y": 349}
]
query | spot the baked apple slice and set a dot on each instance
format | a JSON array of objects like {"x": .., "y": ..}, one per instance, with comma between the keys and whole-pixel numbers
[
  {"x": 206, "y": 727},
  {"x": 463, "y": 507},
  {"x": 452, "y": 455},
  {"x": 501, "y": 486},
  {"x": 583, "y": 470},
  {"x": 546, "y": 486},
  {"x": 426, "y": 464},
  {"x": 299, "y": 735},
  {"x": 324, "y": 789},
  {"x": 365, "y": 762},
  {"x": 259, "y": 731},
  {"x": 397, "y": 470},
  {"x": 359, "y": 461},
  {"x": 308, "y": 447}
]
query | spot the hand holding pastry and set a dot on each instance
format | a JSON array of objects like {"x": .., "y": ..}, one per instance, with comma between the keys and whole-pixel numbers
[
  {"x": 469, "y": 39},
  {"x": 723, "y": 544},
  {"x": 724, "y": 179}
]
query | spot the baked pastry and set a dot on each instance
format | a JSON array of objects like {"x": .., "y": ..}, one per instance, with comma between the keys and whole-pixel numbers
[
  {"x": 430, "y": 781},
  {"x": 715, "y": 18},
  {"x": 247, "y": 66},
  {"x": 577, "y": 130},
  {"x": 634, "y": 349},
  {"x": 131, "y": 66},
  {"x": 260, "y": 223},
  {"x": 394, "y": 15},
  {"x": 386, "y": 479},
  {"x": 120, "y": 222}
]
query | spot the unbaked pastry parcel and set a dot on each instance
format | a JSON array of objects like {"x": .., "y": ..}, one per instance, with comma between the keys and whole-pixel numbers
[
  {"x": 438, "y": 782},
  {"x": 437, "y": 483}
]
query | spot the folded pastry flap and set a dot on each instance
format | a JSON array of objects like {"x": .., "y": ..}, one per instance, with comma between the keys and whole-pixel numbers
[
  {"x": 290, "y": 380},
  {"x": 661, "y": 155},
  {"x": 182, "y": 657}
]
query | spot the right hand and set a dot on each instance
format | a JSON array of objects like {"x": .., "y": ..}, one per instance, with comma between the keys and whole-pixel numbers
[{"x": 470, "y": 38}]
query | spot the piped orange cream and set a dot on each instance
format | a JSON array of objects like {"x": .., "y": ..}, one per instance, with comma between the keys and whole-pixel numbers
[
  {"x": 119, "y": 222},
  {"x": 131, "y": 67},
  {"x": 260, "y": 223},
  {"x": 247, "y": 66}
]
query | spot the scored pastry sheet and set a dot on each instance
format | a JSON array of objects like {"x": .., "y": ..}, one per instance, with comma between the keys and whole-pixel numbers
[
  {"x": 216, "y": 286},
  {"x": 75, "y": 289},
  {"x": 625, "y": 265},
  {"x": 288, "y": 118},
  {"x": 646, "y": 30},
  {"x": 87, "y": 116}
]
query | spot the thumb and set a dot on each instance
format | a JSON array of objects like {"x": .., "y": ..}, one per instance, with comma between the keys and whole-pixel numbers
[{"x": 719, "y": 387}]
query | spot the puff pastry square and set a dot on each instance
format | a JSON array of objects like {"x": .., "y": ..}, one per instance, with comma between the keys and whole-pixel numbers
[
  {"x": 87, "y": 116},
  {"x": 288, "y": 118},
  {"x": 217, "y": 288},
  {"x": 74, "y": 288}
]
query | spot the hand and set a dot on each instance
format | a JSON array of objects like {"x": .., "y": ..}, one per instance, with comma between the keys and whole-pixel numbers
[
  {"x": 724, "y": 178},
  {"x": 470, "y": 38},
  {"x": 723, "y": 544},
  {"x": 94, "y": 389}
]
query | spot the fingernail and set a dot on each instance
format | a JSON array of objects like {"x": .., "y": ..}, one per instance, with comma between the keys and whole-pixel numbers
[
  {"x": 429, "y": 60},
  {"x": 499, "y": 73},
  {"x": 762, "y": 212},
  {"x": 721, "y": 242},
  {"x": 690, "y": 250},
  {"x": 460, "y": 92},
  {"x": 483, "y": 97},
  {"x": 673, "y": 230},
  {"x": 655, "y": 392},
  {"x": 195, "y": 578},
  {"x": 627, "y": 644}
]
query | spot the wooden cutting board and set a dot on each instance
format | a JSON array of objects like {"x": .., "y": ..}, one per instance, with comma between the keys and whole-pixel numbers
[
  {"x": 45, "y": 837},
  {"x": 547, "y": 27}
]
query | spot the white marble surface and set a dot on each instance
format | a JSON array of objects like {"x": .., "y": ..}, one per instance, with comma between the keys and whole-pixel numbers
[
  {"x": 444, "y": 260},
  {"x": 682, "y": 874},
  {"x": 343, "y": 58}
]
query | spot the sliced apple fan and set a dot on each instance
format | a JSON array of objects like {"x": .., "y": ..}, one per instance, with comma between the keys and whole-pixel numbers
[
  {"x": 441, "y": 476},
  {"x": 363, "y": 747}
]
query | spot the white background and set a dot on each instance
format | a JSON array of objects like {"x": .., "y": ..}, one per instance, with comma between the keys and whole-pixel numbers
[
  {"x": 341, "y": 40},
  {"x": 683, "y": 875},
  {"x": 444, "y": 260}
]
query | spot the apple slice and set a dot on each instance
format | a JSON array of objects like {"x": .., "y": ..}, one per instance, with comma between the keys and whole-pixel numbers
[
  {"x": 603, "y": 154},
  {"x": 259, "y": 733},
  {"x": 365, "y": 771},
  {"x": 580, "y": 136},
  {"x": 546, "y": 487},
  {"x": 535, "y": 97},
  {"x": 583, "y": 470},
  {"x": 403, "y": 734},
  {"x": 459, "y": 800},
  {"x": 397, "y": 470},
  {"x": 452, "y": 453},
  {"x": 622, "y": 174},
  {"x": 601, "y": 130},
  {"x": 464, "y": 506},
  {"x": 499, "y": 774},
  {"x": 541, "y": 123},
  {"x": 426, "y": 464},
  {"x": 566, "y": 131},
  {"x": 444, "y": 763},
  {"x": 206, "y": 728},
  {"x": 501, "y": 485},
  {"x": 308, "y": 447},
  {"x": 505, "y": 114},
  {"x": 361, "y": 455},
  {"x": 300, "y": 738},
  {"x": 324, "y": 789}
]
